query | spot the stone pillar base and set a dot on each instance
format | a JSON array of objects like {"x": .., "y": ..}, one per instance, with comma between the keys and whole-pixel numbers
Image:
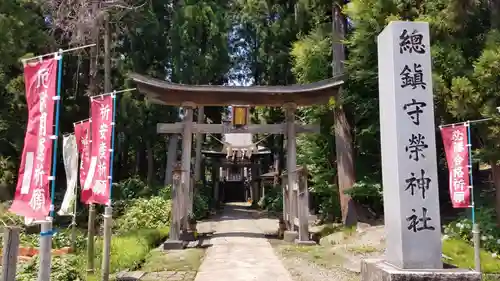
[
  {"x": 173, "y": 245},
  {"x": 290, "y": 236},
  {"x": 379, "y": 270},
  {"x": 305, "y": 242}
]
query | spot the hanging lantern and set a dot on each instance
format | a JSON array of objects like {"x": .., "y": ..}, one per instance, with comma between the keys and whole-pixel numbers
[{"x": 240, "y": 116}]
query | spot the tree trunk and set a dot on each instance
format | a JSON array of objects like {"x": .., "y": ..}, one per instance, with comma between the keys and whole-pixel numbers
[
  {"x": 495, "y": 174},
  {"x": 345, "y": 165},
  {"x": 343, "y": 131},
  {"x": 151, "y": 162}
]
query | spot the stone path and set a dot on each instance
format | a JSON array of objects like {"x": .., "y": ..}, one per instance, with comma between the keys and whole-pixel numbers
[{"x": 240, "y": 250}]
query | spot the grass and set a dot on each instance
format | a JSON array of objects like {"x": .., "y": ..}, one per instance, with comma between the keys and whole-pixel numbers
[
  {"x": 462, "y": 256},
  {"x": 127, "y": 251},
  {"x": 320, "y": 255},
  {"x": 363, "y": 249},
  {"x": 176, "y": 260}
]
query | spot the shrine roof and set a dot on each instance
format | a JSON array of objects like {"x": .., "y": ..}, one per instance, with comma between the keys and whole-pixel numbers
[{"x": 164, "y": 92}]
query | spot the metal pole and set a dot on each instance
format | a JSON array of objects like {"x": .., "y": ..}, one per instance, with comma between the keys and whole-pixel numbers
[
  {"x": 73, "y": 228},
  {"x": 106, "y": 251},
  {"x": 45, "y": 251},
  {"x": 108, "y": 211},
  {"x": 60, "y": 52},
  {"x": 90, "y": 239},
  {"x": 475, "y": 227}
]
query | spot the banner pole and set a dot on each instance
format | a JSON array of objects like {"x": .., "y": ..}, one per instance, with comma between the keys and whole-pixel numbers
[
  {"x": 108, "y": 211},
  {"x": 475, "y": 227},
  {"x": 46, "y": 230},
  {"x": 56, "y": 134}
]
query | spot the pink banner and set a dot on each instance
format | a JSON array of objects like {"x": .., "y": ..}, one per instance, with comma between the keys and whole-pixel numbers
[
  {"x": 83, "y": 140},
  {"x": 32, "y": 197},
  {"x": 457, "y": 156},
  {"x": 102, "y": 125}
]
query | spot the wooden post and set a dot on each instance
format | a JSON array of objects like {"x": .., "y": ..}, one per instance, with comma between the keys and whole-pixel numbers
[
  {"x": 10, "y": 251},
  {"x": 187, "y": 139},
  {"x": 199, "y": 140},
  {"x": 90, "y": 239},
  {"x": 45, "y": 251},
  {"x": 291, "y": 160},
  {"x": 106, "y": 251}
]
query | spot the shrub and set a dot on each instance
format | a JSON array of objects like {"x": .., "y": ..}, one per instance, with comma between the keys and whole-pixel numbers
[
  {"x": 63, "y": 268},
  {"x": 149, "y": 213},
  {"x": 490, "y": 236},
  {"x": 272, "y": 199},
  {"x": 130, "y": 188},
  {"x": 369, "y": 194},
  {"x": 201, "y": 205}
]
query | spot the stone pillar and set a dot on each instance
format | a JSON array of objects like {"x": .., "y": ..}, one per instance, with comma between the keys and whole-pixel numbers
[
  {"x": 173, "y": 241},
  {"x": 173, "y": 141},
  {"x": 216, "y": 183},
  {"x": 199, "y": 140},
  {"x": 254, "y": 183},
  {"x": 303, "y": 209},
  {"x": 291, "y": 164},
  {"x": 408, "y": 146},
  {"x": 187, "y": 140}
]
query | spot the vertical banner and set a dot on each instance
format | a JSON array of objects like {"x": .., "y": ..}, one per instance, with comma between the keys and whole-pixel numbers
[
  {"x": 70, "y": 157},
  {"x": 102, "y": 122},
  {"x": 82, "y": 134},
  {"x": 457, "y": 156},
  {"x": 32, "y": 197}
]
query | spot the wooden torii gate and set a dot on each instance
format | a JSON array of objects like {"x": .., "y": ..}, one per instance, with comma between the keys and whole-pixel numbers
[{"x": 191, "y": 96}]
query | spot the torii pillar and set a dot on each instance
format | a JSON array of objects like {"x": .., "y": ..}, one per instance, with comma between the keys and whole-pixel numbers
[{"x": 187, "y": 140}]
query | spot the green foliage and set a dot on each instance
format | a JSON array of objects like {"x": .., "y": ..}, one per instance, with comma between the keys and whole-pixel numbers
[
  {"x": 127, "y": 250},
  {"x": 63, "y": 268},
  {"x": 490, "y": 235},
  {"x": 130, "y": 188},
  {"x": 151, "y": 213},
  {"x": 201, "y": 205},
  {"x": 368, "y": 194},
  {"x": 272, "y": 200}
]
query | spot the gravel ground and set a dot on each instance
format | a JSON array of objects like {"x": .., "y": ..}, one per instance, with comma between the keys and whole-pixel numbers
[
  {"x": 307, "y": 263},
  {"x": 303, "y": 269}
]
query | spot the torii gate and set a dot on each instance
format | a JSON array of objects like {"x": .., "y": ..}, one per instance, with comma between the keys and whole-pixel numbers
[{"x": 190, "y": 96}]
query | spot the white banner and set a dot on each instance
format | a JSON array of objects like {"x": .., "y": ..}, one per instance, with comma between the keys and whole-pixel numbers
[{"x": 70, "y": 157}]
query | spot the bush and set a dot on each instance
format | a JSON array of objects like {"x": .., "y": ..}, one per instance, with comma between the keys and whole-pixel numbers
[
  {"x": 149, "y": 213},
  {"x": 63, "y": 268},
  {"x": 201, "y": 201},
  {"x": 130, "y": 188},
  {"x": 369, "y": 194},
  {"x": 272, "y": 200},
  {"x": 462, "y": 229}
]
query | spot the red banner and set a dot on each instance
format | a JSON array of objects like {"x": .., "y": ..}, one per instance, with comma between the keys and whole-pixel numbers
[
  {"x": 457, "y": 156},
  {"x": 83, "y": 140},
  {"x": 102, "y": 125},
  {"x": 32, "y": 198}
]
